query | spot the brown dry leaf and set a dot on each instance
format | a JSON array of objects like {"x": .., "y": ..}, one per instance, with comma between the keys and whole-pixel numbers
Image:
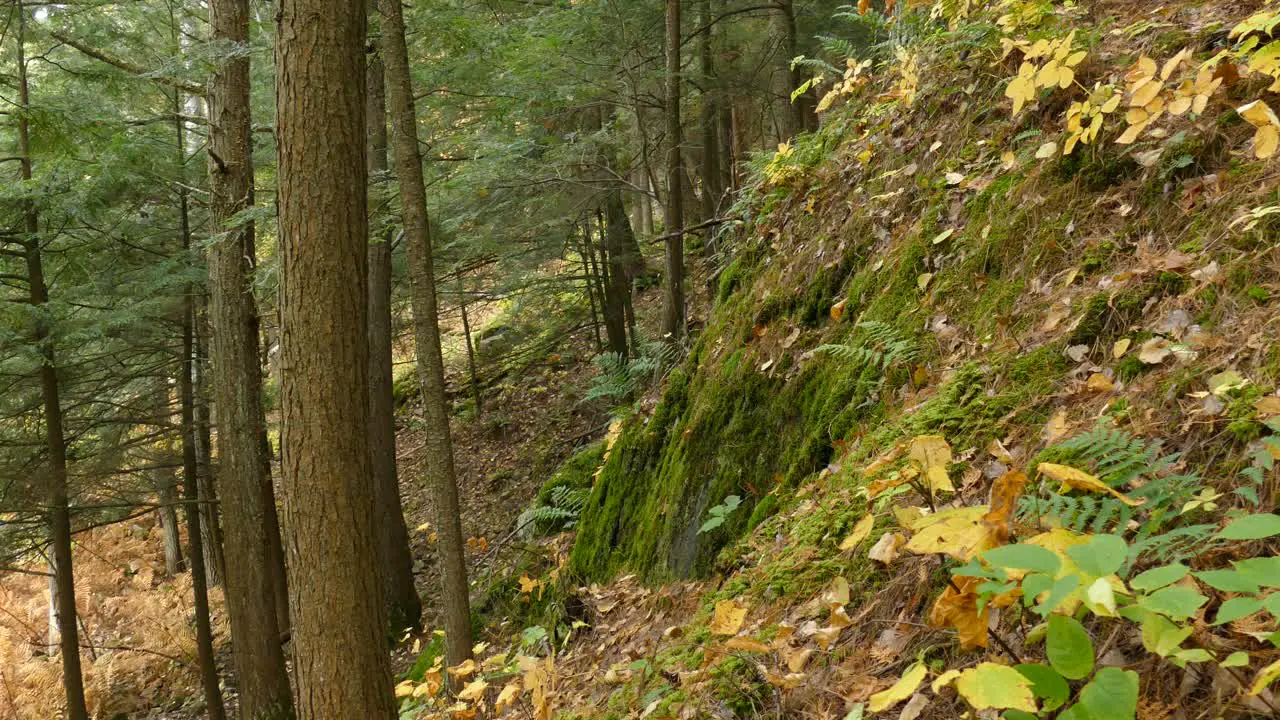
[
  {"x": 957, "y": 607},
  {"x": 1074, "y": 479},
  {"x": 860, "y": 533},
  {"x": 934, "y": 456},
  {"x": 837, "y": 310},
  {"x": 1099, "y": 383},
  {"x": 906, "y": 475},
  {"x": 884, "y": 459},
  {"x": 826, "y": 637},
  {"x": 1155, "y": 350},
  {"x": 1267, "y": 407},
  {"x": 728, "y": 617},
  {"x": 1057, "y": 313},
  {"x": 746, "y": 644},
  {"x": 798, "y": 659},
  {"x": 997, "y": 450},
  {"x": 465, "y": 669},
  {"x": 790, "y": 681},
  {"x": 1004, "y": 500}
]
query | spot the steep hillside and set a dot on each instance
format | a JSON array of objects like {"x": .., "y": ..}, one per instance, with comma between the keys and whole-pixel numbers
[{"x": 1040, "y": 240}]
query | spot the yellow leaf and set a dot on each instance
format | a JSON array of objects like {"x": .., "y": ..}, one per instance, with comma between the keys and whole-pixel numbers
[
  {"x": 837, "y": 310},
  {"x": 746, "y": 644},
  {"x": 860, "y": 532},
  {"x": 1258, "y": 113},
  {"x": 1008, "y": 160},
  {"x": 908, "y": 517},
  {"x": 797, "y": 659},
  {"x": 1099, "y": 383},
  {"x": 943, "y": 680},
  {"x": 474, "y": 690},
  {"x": 1145, "y": 92},
  {"x": 1047, "y": 150},
  {"x": 508, "y": 695},
  {"x": 1131, "y": 134},
  {"x": 405, "y": 689},
  {"x": 922, "y": 282},
  {"x": 1056, "y": 427},
  {"x": 1120, "y": 348},
  {"x": 1074, "y": 479},
  {"x": 933, "y": 455},
  {"x": 901, "y": 690},
  {"x": 959, "y": 533},
  {"x": 728, "y": 617},
  {"x": 1266, "y": 676},
  {"x": 1266, "y": 142}
]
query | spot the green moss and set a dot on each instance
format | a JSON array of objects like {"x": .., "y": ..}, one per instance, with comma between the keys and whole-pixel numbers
[
  {"x": 1130, "y": 367},
  {"x": 577, "y": 473},
  {"x": 1258, "y": 294},
  {"x": 1096, "y": 169}
]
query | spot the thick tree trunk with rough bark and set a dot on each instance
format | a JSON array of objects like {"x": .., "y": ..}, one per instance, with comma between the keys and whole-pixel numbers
[
  {"x": 673, "y": 310},
  {"x": 438, "y": 450},
  {"x": 59, "y": 513},
  {"x": 339, "y": 630},
  {"x": 244, "y": 483},
  {"x": 395, "y": 560}
]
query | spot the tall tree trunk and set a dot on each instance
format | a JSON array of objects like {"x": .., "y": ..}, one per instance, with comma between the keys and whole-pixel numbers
[
  {"x": 211, "y": 528},
  {"x": 244, "y": 485},
  {"x": 791, "y": 116},
  {"x": 395, "y": 559},
  {"x": 673, "y": 310},
  {"x": 339, "y": 628},
  {"x": 438, "y": 451},
  {"x": 164, "y": 482},
  {"x": 583, "y": 243},
  {"x": 712, "y": 190},
  {"x": 59, "y": 515},
  {"x": 618, "y": 287},
  {"x": 477, "y": 396},
  {"x": 190, "y": 463}
]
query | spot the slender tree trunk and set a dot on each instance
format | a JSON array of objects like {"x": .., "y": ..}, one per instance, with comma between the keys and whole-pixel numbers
[
  {"x": 395, "y": 560},
  {"x": 438, "y": 452},
  {"x": 728, "y": 161},
  {"x": 244, "y": 483},
  {"x": 477, "y": 397},
  {"x": 712, "y": 190},
  {"x": 673, "y": 310},
  {"x": 164, "y": 482},
  {"x": 59, "y": 515},
  {"x": 190, "y": 464},
  {"x": 210, "y": 527},
  {"x": 583, "y": 244},
  {"x": 617, "y": 283},
  {"x": 339, "y": 628}
]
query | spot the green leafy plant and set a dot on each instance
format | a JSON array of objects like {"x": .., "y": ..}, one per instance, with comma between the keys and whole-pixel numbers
[{"x": 717, "y": 515}]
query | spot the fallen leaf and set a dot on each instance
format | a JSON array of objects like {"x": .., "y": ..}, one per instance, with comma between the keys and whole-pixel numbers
[
  {"x": 474, "y": 690},
  {"x": 1056, "y": 427},
  {"x": 1074, "y": 479},
  {"x": 1047, "y": 150},
  {"x": 746, "y": 644},
  {"x": 860, "y": 532},
  {"x": 837, "y": 310},
  {"x": 1057, "y": 313},
  {"x": 959, "y": 533},
  {"x": 728, "y": 617},
  {"x": 957, "y": 607},
  {"x": 922, "y": 282},
  {"x": 1120, "y": 348},
  {"x": 934, "y": 456},
  {"x": 914, "y": 707},
  {"x": 1154, "y": 351},
  {"x": 904, "y": 688},
  {"x": 886, "y": 548},
  {"x": 465, "y": 669},
  {"x": 1267, "y": 407},
  {"x": 1226, "y": 381},
  {"x": 797, "y": 659},
  {"x": 1099, "y": 383},
  {"x": 1003, "y": 502}
]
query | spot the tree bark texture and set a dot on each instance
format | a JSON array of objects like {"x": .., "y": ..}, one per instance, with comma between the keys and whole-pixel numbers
[
  {"x": 438, "y": 449},
  {"x": 673, "y": 309},
  {"x": 244, "y": 483},
  {"x": 59, "y": 513},
  {"x": 395, "y": 559},
  {"x": 339, "y": 631}
]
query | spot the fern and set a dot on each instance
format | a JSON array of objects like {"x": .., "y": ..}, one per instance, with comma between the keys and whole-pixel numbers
[
  {"x": 1119, "y": 459},
  {"x": 882, "y": 346},
  {"x": 559, "y": 514}
]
